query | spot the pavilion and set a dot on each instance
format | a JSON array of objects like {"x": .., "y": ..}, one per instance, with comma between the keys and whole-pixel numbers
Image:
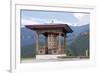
[{"x": 53, "y": 33}]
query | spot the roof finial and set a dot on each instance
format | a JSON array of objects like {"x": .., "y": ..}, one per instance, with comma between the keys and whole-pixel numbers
[{"x": 52, "y": 21}]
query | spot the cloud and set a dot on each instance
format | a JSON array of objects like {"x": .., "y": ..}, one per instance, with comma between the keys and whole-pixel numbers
[
  {"x": 83, "y": 19},
  {"x": 78, "y": 15},
  {"x": 28, "y": 22},
  {"x": 36, "y": 21},
  {"x": 33, "y": 21}
]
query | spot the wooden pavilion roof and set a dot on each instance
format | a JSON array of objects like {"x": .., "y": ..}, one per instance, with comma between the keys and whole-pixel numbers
[{"x": 51, "y": 26}]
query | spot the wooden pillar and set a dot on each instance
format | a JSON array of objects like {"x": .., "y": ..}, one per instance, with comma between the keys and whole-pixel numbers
[
  {"x": 65, "y": 43},
  {"x": 49, "y": 41},
  {"x": 55, "y": 40},
  {"x": 46, "y": 44},
  {"x": 59, "y": 42},
  {"x": 37, "y": 42}
]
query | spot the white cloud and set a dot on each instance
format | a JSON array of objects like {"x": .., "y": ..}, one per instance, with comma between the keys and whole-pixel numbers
[
  {"x": 36, "y": 21},
  {"x": 28, "y": 22},
  {"x": 82, "y": 18},
  {"x": 78, "y": 15},
  {"x": 33, "y": 21}
]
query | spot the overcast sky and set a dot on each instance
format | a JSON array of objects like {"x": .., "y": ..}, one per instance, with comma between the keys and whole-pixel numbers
[{"x": 41, "y": 17}]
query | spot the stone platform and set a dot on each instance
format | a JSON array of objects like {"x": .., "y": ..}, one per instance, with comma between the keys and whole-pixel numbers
[{"x": 49, "y": 56}]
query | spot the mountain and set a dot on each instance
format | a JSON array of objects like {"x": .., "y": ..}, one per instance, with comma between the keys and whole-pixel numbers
[
  {"x": 28, "y": 51},
  {"x": 28, "y": 37},
  {"x": 80, "y": 44},
  {"x": 77, "y": 30}
]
